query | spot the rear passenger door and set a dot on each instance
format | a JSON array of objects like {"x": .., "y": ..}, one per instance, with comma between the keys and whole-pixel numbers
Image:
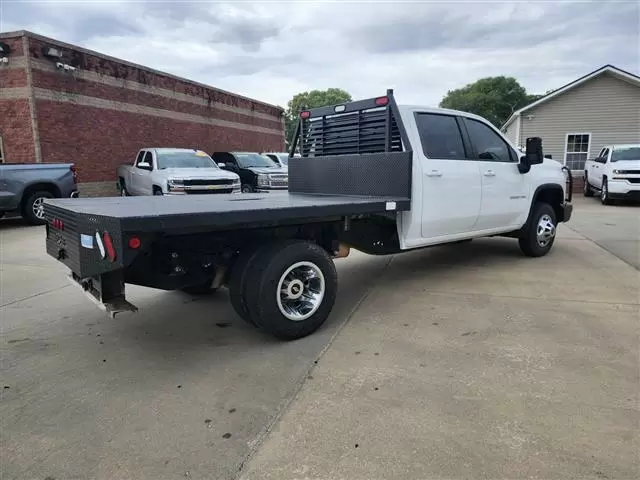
[
  {"x": 451, "y": 187},
  {"x": 505, "y": 191}
]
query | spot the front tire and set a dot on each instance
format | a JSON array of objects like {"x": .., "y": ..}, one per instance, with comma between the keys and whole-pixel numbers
[
  {"x": 587, "y": 190},
  {"x": 540, "y": 231},
  {"x": 294, "y": 286},
  {"x": 604, "y": 193},
  {"x": 33, "y": 208},
  {"x": 247, "y": 188}
]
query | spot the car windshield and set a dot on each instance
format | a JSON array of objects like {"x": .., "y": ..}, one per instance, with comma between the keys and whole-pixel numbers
[
  {"x": 284, "y": 158},
  {"x": 248, "y": 160},
  {"x": 184, "y": 159},
  {"x": 626, "y": 153}
]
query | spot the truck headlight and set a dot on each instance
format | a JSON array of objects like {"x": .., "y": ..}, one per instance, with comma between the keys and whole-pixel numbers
[
  {"x": 175, "y": 186},
  {"x": 236, "y": 185},
  {"x": 263, "y": 180},
  {"x": 615, "y": 172}
]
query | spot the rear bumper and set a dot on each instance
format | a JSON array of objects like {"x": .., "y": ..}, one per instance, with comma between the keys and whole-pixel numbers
[{"x": 566, "y": 211}]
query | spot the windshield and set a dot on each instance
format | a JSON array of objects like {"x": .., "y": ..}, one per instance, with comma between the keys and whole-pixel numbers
[
  {"x": 247, "y": 160},
  {"x": 625, "y": 153},
  {"x": 184, "y": 159}
]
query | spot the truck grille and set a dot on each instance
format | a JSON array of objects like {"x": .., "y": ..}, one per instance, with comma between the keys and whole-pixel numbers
[
  {"x": 204, "y": 182},
  {"x": 279, "y": 180}
]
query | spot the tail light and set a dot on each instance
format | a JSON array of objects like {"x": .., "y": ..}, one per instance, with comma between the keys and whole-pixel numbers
[
  {"x": 135, "y": 243},
  {"x": 74, "y": 173},
  {"x": 57, "y": 224},
  {"x": 304, "y": 115},
  {"x": 108, "y": 244},
  {"x": 382, "y": 101}
]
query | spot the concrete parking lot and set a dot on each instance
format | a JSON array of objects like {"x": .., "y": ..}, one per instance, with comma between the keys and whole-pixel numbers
[{"x": 467, "y": 361}]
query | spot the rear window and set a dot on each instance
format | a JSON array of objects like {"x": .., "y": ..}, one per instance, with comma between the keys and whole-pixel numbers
[
  {"x": 440, "y": 136},
  {"x": 625, "y": 153}
]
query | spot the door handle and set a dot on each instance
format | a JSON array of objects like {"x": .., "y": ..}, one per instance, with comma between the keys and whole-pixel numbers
[
  {"x": 489, "y": 173},
  {"x": 434, "y": 173}
]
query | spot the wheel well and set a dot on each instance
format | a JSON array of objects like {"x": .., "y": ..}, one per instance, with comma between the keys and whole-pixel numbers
[
  {"x": 553, "y": 195},
  {"x": 36, "y": 187},
  {"x": 156, "y": 188}
]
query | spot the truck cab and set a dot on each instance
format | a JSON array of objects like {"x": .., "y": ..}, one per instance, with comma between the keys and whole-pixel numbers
[
  {"x": 258, "y": 173},
  {"x": 614, "y": 173}
]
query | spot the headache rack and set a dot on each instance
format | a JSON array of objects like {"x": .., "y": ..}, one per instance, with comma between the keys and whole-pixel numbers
[
  {"x": 364, "y": 126},
  {"x": 355, "y": 148}
]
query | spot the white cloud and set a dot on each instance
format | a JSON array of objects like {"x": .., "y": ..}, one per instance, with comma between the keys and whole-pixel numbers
[{"x": 272, "y": 50}]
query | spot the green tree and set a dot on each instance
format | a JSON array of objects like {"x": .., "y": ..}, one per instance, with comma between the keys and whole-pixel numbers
[
  {"x": 494, "y": 98},
  {"x": 311, "y": 99}
]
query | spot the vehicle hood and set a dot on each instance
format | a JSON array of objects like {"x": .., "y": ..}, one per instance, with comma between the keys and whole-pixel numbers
[
  {"x": 626, "y": 165},
  {"x": 198, "y": 173},
  {"x": 268, "y": 170}
]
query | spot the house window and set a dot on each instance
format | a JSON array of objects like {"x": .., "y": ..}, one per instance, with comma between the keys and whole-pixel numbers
[{"x": 577, "y": 150}]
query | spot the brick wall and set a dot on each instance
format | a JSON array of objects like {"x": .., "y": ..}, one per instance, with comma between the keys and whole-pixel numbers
[
  {"x": 15, "y": 121},
  {"x": 101, "y": 114}
]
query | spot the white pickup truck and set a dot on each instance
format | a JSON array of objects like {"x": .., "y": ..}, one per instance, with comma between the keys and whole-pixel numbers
[
  {"x": 615, "y": 173},
  {"x": 174, "y": 171},
  {"x": 373, "y": 176}
]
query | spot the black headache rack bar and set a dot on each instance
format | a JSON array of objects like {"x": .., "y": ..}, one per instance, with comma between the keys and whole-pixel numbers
[{"x": 355, "y": 148}]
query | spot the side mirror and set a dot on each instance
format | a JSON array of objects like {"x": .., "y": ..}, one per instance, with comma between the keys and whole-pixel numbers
[
  {"x": 231, "y": 166},
  {"x": 601, "y": 160},
  {"x": 550, "y": 157},
  {"x": 534, "y": 151},
  {"x": 533, "y": 155},
  {"x": 144, "y": 166},
  {"x": 222, "y": 165}
]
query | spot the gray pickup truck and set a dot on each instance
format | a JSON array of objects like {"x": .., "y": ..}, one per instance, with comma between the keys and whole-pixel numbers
[{"x": 24, "y": 186}]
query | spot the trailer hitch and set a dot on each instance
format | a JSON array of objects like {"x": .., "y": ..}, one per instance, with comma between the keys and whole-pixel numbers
[{"x": 106, "y": 291}]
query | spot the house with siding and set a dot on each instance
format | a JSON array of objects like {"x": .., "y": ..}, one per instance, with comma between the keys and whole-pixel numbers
[{"x": 577, "y": 120}]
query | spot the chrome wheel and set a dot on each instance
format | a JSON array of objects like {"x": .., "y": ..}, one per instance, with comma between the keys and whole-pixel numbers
[
  {"x": 300, "y": 291},
  {"x": 38, "y": 208},
  {"x": 546, "y": 230},
  {"x": 604, "y": 193}
]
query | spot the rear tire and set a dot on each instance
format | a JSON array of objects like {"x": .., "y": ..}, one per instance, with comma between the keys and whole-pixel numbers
[
  {"x": 587, "y": 190},
  {"x": 540, "y": 231},
  {"x": 33, "y": 208},
  {"x": 238, "y": 281},
  {"x": 294, "y": 285}
]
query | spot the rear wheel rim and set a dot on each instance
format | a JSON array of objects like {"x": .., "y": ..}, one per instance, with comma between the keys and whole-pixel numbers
[
  {"x": 546, "y": 230},
  {"x": 38, "y": 208},
  {"x": 300, "y": 291}
]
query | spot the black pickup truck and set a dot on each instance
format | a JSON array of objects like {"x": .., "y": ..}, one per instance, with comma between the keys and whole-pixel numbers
[{"x": 351, "y": 187}]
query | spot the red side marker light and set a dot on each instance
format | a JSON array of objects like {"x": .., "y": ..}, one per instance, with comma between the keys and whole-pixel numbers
[
  {"x": 135, "y": 243},
  {"x": 382, "y": 101},
  {"x": 304, "y": 115},
  {"x": 108, "y": 245}
]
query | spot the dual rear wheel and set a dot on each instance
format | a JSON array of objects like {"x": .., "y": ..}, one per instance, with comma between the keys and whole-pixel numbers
[{"x": 286, "y": 288}]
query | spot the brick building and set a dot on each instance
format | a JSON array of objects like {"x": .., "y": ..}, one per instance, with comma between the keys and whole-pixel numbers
[{"x": 63, "y": 103}]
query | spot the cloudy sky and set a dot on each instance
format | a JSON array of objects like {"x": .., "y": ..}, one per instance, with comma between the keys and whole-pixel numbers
[{"x": 272, "y": 50}]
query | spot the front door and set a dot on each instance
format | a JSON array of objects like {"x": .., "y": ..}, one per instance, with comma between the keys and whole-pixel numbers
[
  {"x": 451, "y": 187},
  {"x": 505, "y": 191}
]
